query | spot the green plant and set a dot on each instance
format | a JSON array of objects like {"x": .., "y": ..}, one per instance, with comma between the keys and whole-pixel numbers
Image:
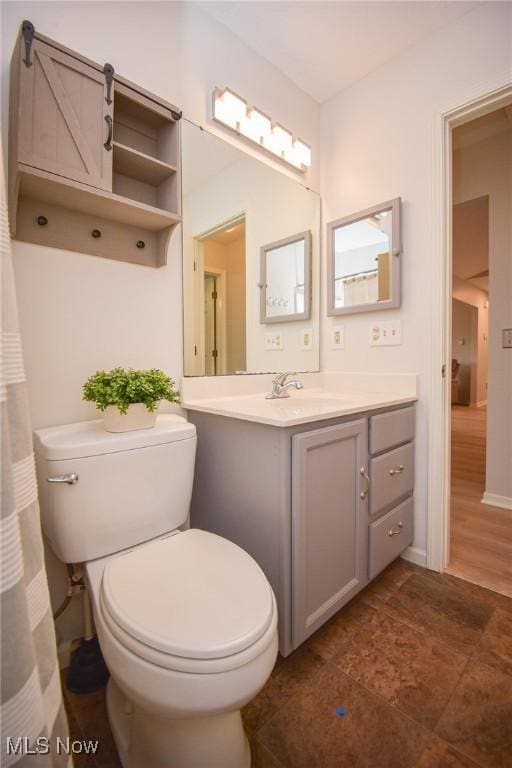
[{"x": 123, "y": 387}]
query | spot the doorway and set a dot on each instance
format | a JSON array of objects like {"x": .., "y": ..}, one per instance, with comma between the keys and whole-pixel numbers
[
  {"x": 218, "y": 300},
  {"x": 480, "y": 445}
]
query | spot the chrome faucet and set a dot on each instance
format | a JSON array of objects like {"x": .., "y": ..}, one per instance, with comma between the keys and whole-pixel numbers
[{"x": 280, "y": 386}]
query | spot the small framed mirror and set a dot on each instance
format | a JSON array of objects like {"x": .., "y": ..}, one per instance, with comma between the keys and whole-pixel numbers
[
  {"x": 364, "y": 252},
  {"x": 285, "y": 279}
]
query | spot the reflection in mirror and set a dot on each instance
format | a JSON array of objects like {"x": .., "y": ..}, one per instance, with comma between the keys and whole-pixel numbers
[
  {"x": 286, "y": 279},
  {"x": 236, "y": 207},
  {"x": 364, "y": 260},
  {"x": 222, "y": 253}
]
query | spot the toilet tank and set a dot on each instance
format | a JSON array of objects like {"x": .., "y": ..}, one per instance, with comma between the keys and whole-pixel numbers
[{"x": 129, "y": 486}]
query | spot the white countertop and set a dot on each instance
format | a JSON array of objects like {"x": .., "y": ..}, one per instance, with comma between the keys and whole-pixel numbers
[{"x": 325, "y": 396}]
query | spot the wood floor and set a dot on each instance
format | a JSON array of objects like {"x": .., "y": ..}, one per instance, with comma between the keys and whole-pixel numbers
[{"x": 481, "y": 535}]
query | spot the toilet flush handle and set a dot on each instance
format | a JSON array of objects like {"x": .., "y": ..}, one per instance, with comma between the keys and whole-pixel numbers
[{"x": 71, "y": 478}]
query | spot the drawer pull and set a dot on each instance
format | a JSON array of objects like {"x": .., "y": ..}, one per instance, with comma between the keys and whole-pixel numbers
[
  {"x": 397, "y": 470},
  {"x": 364, "y": 493},
  {"x": 394, "y": 531}
]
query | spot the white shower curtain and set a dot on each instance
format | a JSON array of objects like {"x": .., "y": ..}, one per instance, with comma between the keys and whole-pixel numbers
[{"x": 31, "y": 697}]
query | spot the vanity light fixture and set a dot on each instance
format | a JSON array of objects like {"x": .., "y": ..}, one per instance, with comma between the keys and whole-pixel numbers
[{"x": 233, "y": 111}]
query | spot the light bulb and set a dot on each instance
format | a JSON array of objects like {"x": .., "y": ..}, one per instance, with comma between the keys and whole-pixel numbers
[
  {"x": 256, "y": 125},
  {"x": 279, "y": 140},
  {"x": 230, "y": 108}
]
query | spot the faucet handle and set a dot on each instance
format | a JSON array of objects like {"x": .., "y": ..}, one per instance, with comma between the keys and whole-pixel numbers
[{"x": 281, "y": 377}]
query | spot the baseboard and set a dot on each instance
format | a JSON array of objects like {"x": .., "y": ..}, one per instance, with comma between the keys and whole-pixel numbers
[
  {"x": 415, "y": 555},
  {"x": 481, "y": 403},
  {"x": 495, "y": 500}
]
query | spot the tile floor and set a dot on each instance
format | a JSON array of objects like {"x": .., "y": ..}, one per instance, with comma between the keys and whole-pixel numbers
[{"x": 420, "y": 662}]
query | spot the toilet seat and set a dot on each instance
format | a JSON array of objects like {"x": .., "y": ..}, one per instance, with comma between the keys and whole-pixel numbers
[{"x": 190, "y": 602}]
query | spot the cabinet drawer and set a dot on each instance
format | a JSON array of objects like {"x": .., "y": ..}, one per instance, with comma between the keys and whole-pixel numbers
[
  {"x": 390, "y": 429},
  {"x": 389, "y": 536},
  {"x": 391, "y": 477}
]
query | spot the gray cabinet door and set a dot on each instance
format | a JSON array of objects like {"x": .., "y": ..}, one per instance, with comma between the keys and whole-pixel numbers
[
  {"x": 329, "y": 523},
  {"x": 63, "y": 118}
]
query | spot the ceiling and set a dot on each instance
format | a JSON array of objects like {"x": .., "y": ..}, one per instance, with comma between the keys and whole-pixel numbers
[
  {"x": 324, "y": 47},
  {"x": 204, "y": 156},
  {"x": 229, "y": 235}
]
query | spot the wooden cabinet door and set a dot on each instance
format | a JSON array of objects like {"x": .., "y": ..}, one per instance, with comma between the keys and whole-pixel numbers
[
  {"x": 63, "y": 117},
  {"x": 329, "y": 523}
]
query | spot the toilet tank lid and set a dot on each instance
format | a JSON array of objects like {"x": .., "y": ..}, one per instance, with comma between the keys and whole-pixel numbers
[{"x": 89, "y": 438}]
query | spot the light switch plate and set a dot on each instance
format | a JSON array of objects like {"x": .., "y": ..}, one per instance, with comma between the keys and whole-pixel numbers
[
  {"x": 306, "y": 339},
  {"x": 507, "y": 338},
  {"x": 338, "y": 337},
  {"x": 386, "y": 334},
  {"x": 274, "y": 341}
]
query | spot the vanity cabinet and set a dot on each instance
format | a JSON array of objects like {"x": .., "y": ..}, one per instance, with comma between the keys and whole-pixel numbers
[
  {"x": 323, "y": 507},
  {"x": 94, "y": 160},
  {"x": 329, "y": 531}
]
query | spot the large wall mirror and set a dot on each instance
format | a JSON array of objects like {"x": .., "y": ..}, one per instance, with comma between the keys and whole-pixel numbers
[
  {"x": 363, "y": 259},
  {"x": 235, "y": 208}
]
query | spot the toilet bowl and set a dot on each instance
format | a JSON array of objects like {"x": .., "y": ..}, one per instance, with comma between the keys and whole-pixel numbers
[
  {"x": 187, "y": 621},
  {"x": 187, "y": 625}
]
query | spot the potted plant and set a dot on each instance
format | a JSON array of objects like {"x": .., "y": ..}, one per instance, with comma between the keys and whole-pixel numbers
[{"x": 129, "y": 398}]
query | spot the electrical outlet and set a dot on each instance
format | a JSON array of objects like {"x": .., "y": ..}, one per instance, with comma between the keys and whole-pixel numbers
[
  {"x": 338, "y": 337},
  {"x": 274, "y": 341},
  {"x": 306, "y": 339},
  {"x": 386, "y": 334},
  {"x": 507, "y": 338}
]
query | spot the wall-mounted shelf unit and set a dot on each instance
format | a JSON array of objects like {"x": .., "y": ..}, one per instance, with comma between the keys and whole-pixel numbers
[{"x": 94, "y": 160}]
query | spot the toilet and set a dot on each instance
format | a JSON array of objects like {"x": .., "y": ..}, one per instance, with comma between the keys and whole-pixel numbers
[{"x": 186, "y": 620}]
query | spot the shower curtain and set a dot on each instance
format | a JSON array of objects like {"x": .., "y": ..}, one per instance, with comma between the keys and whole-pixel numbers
[{"x": 31, "y": 707}]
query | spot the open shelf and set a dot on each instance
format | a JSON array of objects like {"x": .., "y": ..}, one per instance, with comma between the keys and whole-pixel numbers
[
  {"x": 40, "y": 185},
  {"x": 138, "y": 165}
]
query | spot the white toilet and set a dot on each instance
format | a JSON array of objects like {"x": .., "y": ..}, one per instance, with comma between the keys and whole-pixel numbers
[{"x": 186, "y": 620}]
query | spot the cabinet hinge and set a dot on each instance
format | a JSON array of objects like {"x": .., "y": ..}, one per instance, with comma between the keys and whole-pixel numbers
[
  {"x": 443, "y": 370},
  {"x": 195, "y": 350},
  {"x": 215, "y": 354},
  {"x": 108, "y": 71},
  {"x": 28, "y": 31},
  {"x": 195, "y": 266},
  {"x": 214, "y": 295}
]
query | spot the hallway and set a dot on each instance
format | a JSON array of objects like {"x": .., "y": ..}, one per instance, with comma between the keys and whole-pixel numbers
[{"x": 481, "y": 535}]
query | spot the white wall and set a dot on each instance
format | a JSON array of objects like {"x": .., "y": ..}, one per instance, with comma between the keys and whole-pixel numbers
[
  {"x": 377, "y": 140},
  {"x": 79, "y": 313},
  {"x": 464, "y": 349},
  {"x": 485, "y": 168}
]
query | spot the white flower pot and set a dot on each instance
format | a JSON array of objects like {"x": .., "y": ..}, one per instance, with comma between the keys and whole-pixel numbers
[{"x": 137, "y": 417}]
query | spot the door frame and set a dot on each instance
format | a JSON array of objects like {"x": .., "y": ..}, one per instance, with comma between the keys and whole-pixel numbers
[
  {"x": 479, "y": 100},
  {"x": 222, "y": 336}
]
